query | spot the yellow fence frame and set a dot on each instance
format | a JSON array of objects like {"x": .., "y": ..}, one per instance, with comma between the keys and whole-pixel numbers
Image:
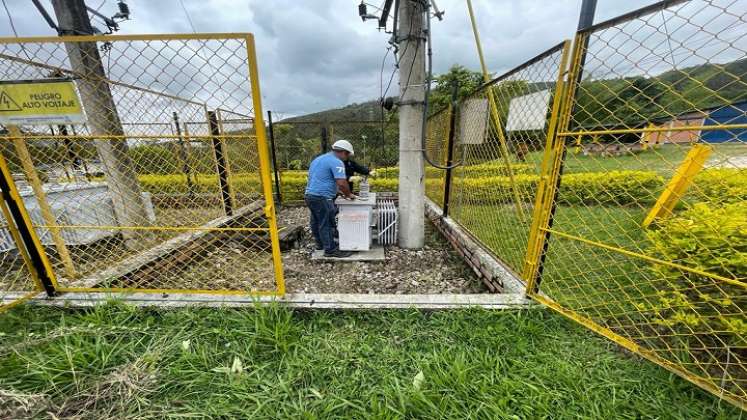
[
  {"x": 549, "y": 175},
  {"x": 262, "y": 148},
  {"x": 543, "y": 213},
  {"x": 34, "y": 270}
]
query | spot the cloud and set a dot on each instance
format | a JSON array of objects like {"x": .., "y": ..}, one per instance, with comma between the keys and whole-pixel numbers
[{"x": 317, "y": 54}]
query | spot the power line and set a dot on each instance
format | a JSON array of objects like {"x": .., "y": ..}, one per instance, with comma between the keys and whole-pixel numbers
[
  {"x": 396, "y": 59},
  {"x": 189, "y": 18},
  {"x": 10, "y": 19},
  {"x": 13, "y": 28}
]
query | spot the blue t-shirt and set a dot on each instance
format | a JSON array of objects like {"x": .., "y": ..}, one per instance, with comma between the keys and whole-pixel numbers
[{"x": 323, "y": 172}]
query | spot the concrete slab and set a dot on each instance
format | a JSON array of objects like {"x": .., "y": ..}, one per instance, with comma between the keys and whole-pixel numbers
[
  {"x": 374, "y": 254},
  {"x": 293, "y": 300}
]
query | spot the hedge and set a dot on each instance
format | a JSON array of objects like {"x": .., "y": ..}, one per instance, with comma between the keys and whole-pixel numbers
[
  {"x": 721, "y": 185},
  {"x": 480, "y": 170},
  {"x": 590, "y": 188},
  {"x": 707, "y": 237},
  {"x": 608, "y": 188}
]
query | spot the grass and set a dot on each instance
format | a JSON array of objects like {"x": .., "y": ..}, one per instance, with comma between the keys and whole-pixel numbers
[
  {"x": 116, "y": 361},
  {"x": 501, "y": 230},
  {"x": 664, "y": 159}
]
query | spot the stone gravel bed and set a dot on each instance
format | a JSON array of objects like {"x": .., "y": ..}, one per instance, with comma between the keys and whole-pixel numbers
[{"x": 434, "y": 269}]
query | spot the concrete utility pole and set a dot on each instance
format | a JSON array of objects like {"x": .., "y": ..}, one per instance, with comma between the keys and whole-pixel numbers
[
  {"x": 103, "y": 119},
  {"x": 586, "y": 17},
  {"x": 411, "y": 39}
]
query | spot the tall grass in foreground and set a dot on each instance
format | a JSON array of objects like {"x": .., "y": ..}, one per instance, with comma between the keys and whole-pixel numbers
[{"x": 118, "y": 361}]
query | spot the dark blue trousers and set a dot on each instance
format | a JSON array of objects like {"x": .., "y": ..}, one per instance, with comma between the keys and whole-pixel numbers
[{"x": 323, "y": 212}]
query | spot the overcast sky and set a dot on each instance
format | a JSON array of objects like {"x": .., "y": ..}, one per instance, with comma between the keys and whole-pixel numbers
[{"x": 317, "y": 54}]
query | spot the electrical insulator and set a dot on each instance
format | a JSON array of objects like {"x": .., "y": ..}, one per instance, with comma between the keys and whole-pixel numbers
[{"x": 124, "y": 10}]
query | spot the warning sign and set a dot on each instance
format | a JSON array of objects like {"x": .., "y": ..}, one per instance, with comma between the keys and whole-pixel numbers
[{"x": 40, "y": 102}]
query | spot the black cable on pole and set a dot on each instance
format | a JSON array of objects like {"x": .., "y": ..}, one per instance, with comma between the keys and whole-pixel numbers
[
  {"x": 46, "y": 16},
  {"x": 429, "y": 75}
]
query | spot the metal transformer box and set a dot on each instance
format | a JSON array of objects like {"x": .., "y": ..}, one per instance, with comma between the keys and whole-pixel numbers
[{"x": 355, "y": 221}]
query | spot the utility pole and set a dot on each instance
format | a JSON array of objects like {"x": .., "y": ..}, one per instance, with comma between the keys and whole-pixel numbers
[
  {"x": 586, "y": 17},
  {"x": 411, "y": 39},
  {"x": 103, "y": 119}
]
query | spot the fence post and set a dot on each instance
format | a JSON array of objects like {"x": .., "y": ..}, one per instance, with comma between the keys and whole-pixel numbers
[
  {"x": 41, "y": 197},
  {"x": 575, "y": 75},
  {"x": 220, "y": 159},
  {"x": 184, "y": 156},
  {"x": 325, "y": 139},
  {"x": 453, "y": 111},
  {"x": 275, "y": 170},
  {"x": 25, "y": 237}
]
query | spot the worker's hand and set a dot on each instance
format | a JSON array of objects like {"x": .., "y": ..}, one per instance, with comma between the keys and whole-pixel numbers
[
  {"x": 372, "y": 174},
  {"x": 355, "y": 178},
  {"x": 351, "y": 197}
]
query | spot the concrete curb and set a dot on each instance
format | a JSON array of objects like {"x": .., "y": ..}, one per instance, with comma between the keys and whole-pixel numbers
[{"x": 292, "y": 300}]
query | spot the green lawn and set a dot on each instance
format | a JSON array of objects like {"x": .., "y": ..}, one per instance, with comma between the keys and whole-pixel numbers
[
  {"x": 116, "y": 361},
  {"x": 663, "y": 159},
  {"x": 606, "y": 284},
  {"x": 500, "y": 228}
]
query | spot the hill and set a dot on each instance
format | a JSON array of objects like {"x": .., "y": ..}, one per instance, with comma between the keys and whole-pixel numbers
[{"x": 365, "y": 111}]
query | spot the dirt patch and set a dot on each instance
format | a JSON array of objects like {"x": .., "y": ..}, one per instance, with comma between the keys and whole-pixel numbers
[{"x": 434, "y": 269}]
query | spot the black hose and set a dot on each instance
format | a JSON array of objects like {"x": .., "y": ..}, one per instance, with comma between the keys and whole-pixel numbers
[{"x": 428, "y": 78}]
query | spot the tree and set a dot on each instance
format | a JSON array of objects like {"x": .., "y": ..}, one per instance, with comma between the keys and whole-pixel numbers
[{"x": 468, "y": 80}]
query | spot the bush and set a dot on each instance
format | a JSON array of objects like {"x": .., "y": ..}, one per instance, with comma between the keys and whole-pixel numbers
[
  {"x": 711, "y": 239},
  {"x": 592, "y": 188},
  {"x": 164, "y": 159},
  {"x": 611, "y": 188},
  {"x": 721, "y": 185},
  {"x": 491, "y": 168}
]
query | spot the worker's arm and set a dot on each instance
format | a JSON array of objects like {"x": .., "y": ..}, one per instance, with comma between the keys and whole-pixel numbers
[
  {"x": 344, "y": 188},
  {"x": 358, "y": 168}
]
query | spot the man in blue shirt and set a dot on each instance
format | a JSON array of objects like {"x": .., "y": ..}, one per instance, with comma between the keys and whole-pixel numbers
[{"x": 326, "y": 177}]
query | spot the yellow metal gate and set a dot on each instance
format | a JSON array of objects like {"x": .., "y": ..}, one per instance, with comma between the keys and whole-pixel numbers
[
  {"x": 622, "y": 203},
  {"x": 163, "y": 184},
  {"x": 641, "y": 231}
]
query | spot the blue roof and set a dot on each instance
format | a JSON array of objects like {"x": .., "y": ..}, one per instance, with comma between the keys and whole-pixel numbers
[{"x": 729, "y": 114}]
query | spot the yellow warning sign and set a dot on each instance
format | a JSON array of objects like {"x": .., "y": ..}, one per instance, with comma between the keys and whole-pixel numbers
[{"x": 40, "y": 102}]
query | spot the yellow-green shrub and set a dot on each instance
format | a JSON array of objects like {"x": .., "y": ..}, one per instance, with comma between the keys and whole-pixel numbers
[
  {"x": 709, "y": 238},
  {"x": 491, "y": 168},
  {"x": 721, "y": 185},
  {"x": 610, "y": 188},
  {"x": 591, "y": 188}
]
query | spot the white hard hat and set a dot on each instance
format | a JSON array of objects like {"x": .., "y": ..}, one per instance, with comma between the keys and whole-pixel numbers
[{"x": 343, "y": 145}]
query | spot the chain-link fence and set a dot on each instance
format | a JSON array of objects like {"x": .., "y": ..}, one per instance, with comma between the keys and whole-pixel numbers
[
  {"x": 615, "y": 185},
  {"x": 649, "y": 226},
  {"x": 499, "y": 132},
  {"x": 163, "y": 186}
]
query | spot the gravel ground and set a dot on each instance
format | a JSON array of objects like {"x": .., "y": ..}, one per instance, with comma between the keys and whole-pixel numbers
[{"x": 434, "y": 269}]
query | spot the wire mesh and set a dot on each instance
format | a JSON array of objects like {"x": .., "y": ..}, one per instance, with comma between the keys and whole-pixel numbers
[
  {"x": 436, "y": 146},
  {"x": 162, "y": 187},
  {"x": 648, "y": 228},
  {"x": 490, "y": 198},
  {"x": 17, "y": 282}
]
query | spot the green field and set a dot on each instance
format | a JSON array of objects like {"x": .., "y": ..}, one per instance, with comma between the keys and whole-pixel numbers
[
  {"x": 115, "y": 361},
  {"x": 663, "y": 159}
]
